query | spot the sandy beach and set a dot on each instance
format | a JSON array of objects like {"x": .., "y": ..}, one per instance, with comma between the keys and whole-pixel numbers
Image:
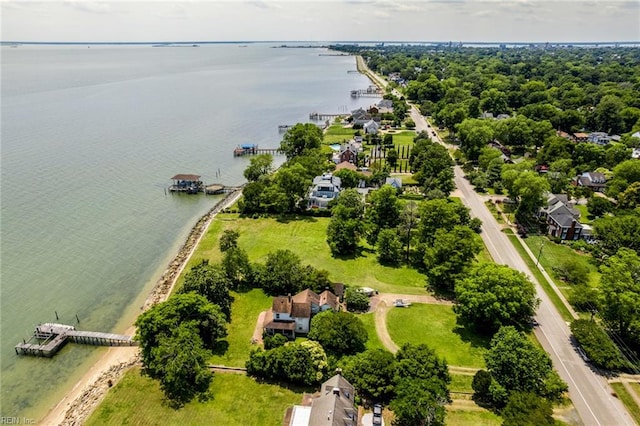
[{"x": 76, "y": 406}]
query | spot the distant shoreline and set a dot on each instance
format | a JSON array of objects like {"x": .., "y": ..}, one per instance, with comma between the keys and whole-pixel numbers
[{"x": 327, "y": 43}]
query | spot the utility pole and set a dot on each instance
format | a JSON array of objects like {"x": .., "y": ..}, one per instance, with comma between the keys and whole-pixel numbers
[{"x": 539, "y": 254}]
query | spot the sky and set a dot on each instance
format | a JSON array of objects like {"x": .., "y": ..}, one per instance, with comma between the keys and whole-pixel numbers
[{"x": 328, "y": 20}]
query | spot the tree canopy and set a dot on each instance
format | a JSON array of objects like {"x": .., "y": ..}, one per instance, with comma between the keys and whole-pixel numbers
[
  {"x": 210, "y": 281},
  {"x": 301, "y": 139},
  {"x": 339, "y": 333},
  {"x": 494, "y": 295}
]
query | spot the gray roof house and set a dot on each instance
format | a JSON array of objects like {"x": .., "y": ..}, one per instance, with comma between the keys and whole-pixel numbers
[
  {"x": 600, "y": 138},
  {"x": 360, "y": 116},
  {"x": 562, "y": 219},
  {"x": 334, "y": 407},
  {"x": 324, "y": 189},
  {"x": 371, "y": 127},
  {"x": 395, "y": 182},
  {"x": 593, "y": 180}
]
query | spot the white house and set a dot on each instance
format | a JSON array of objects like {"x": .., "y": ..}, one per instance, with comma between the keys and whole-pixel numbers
[{"x": 324, "y": 189}]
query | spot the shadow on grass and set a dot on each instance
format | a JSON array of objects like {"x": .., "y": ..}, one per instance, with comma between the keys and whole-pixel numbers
[
  {"x": 286, "y": 385},
  {"x": 471, "y": 336},
  {"x": 222, "y": 346},
  {"x": 360, "y": 252}
]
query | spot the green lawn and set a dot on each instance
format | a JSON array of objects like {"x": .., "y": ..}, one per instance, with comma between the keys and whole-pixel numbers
[
  {"x": 244, "y": 314},
  {"x": 554, "y": 254},
  {"x": 457, "y": 417},
  {"x": 461, "y": 383},
  {"x": 307, "y": 238},
  {"x": 137, "y": 400},
  {"x": 336, "y": 133},
  {"x": 555, "y": 299},
  {"x": 585, "y": 217},
  {"x": 436, "y": 326},
  {"x": 627, "y": 400},
  {"x": 368, "y": 320}
]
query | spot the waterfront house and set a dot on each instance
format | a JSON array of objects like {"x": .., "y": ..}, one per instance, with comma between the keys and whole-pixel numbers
[
  {"x": 335, "y": 406},
  {"x": 360, "y": 116},
  {"x": 291, "y": 315},
  {"x": 324, "y": 189},
  {"x": 371, "y": 127},
  {"x": 385, "y": 106}
]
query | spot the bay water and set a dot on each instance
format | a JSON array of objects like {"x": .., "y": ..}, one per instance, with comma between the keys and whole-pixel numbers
[{"x": 90, "y": 137}]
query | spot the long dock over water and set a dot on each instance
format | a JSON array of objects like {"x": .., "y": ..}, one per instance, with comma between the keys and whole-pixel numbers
[{"x": 49, "y": 338}]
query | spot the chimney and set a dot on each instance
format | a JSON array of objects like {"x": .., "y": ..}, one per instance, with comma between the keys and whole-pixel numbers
[
  {"x": 289, "y": 295},
  {"x": 339, "y": 371}
]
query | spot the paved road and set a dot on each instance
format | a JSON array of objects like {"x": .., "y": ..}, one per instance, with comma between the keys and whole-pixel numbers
[{"x": 590, "y": 392}]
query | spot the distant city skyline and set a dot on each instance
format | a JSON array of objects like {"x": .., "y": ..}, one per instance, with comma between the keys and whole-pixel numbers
[{"x": 535, "y": 21}]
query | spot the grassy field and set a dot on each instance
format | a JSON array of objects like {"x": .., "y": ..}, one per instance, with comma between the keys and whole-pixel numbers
[
  {"x": 137, "y": 400},
  {"x": 461, "y": 383},
  {"x": 627, "y": 400},
  {"x": 307, "y": 238},
  {"x": 562, "y": 309},
  {"x": 436, "y": 326},
  {"x": 480, "y": 417},
  {"x": 369, "y": 323},
  {"x": 585, "y": 217},
  {"x": 244, "y": 314},
  {"x": 554, "y": 254},
  {"x": 336, "y": 133}
]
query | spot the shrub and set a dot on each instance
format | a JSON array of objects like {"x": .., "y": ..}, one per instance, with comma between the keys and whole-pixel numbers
[
  {"x": 572, "y": 271},
  {"x": 597, "y": 345}
]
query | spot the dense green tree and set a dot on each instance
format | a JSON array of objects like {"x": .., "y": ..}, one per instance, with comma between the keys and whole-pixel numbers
[
  {"x": 440, "y": 214},
  {"x": 528, "y": 190},
  {"x": 527, "y": 409},
  {"x": 615, "y": 232},
  {"x": 624, "y": 174},
  {"x": 474, "y": 135},
  {"x": 599, "y": 206},
  {"x": 302, "y": 363},
  {"x": 392, "y": 158},
  {"x": 422, "y": 380},
  {"x": 587, "y": 156},
  {"x": 294, "y": 183},
  {"x": 418, "y": 403},
  {"x": 180, "y": 364},
  {"x": 282, "y": 273},
  {"x": 238, "y": 268},
  {"x": 517, "y": 364},
  {"x": 372, "y": 374},
  {"x": 616, "y": 154},
  {"x": 228, "y": 239},
  {"x": 597, "y": 345},
  {"x": 487, "y": 155},
  {"x": 572, "y": 271},
  {"x": 356, "y": 300},
  {"x": 339, "y": 333},
  {"x": 383, "y": 212},
  {"x": 389, "y": 247},
  {"x": 346, "y": 226},
  {"x": 630, "y": 197},
  {"x": 175, "y": 339},
  {"x": 301, "y": 139},
  {"x": 493, "y": 100},
  {"x": 212, "y": 282},
  {"x": 259, "y": 166},
  {"x": 432, "y": 165},
  {"x": 494, "y": 295},
  {"x": 607, "y": 115},
  {"x": 348, "y": 178},
  {"x": 620, "y": 285},
  {"x": 450, "y": 255}
]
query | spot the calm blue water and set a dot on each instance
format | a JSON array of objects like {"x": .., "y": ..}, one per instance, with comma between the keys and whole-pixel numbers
[{"x": 90, "y": 139}]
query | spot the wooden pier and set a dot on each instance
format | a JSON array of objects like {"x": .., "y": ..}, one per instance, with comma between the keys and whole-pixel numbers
[
  {"x": 49, "y": 338},
  {"x": 317, "y": 116},
  {"x": 252, "y": 149},
  {"x": 371, "y": 92}
]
